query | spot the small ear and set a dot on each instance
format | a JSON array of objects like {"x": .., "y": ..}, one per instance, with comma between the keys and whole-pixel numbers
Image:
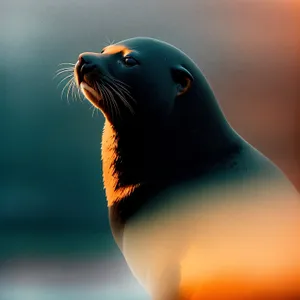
[{"x": 183, "y": 79}]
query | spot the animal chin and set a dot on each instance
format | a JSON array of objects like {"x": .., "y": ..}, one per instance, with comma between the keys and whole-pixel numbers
[{"x": 93, "y": 96}]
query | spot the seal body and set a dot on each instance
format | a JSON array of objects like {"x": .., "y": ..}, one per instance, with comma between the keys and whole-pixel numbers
[{"x": 197, "y": 212}]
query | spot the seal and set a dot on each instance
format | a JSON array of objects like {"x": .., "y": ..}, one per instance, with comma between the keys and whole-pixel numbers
[{"x": 197, "y": 212}]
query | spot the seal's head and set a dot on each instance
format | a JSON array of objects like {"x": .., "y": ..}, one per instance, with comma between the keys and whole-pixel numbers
[
  {"x": 160, "y": 112},
  {"x": 141, "y": 79}
]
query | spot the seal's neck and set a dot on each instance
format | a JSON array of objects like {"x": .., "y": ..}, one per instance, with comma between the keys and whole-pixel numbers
[
  {"x": 187, "y": 145},
  {"x": 120, "y": 160},
  {"x": 130, "y": 157}
]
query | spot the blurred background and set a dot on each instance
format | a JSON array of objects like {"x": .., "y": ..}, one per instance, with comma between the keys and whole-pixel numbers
[{"x": 55, "y": 242}]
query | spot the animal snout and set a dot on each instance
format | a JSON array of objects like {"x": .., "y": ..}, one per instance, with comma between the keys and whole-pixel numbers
[{"x": 85, "y": 64}]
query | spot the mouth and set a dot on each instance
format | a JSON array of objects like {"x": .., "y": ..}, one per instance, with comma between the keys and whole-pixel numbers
[
  {"x": 83, "y": 82},
  {"x": 91, "y": 94}
]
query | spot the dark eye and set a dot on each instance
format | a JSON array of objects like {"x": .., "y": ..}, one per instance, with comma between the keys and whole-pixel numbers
[
  {"x": 129, "y": 61},
  {"x": 102, "y": 51}
]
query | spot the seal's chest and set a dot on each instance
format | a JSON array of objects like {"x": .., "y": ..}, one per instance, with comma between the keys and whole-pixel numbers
[
  {"x": 235, "y": 238},
  {"x": 155, "y": 238}
]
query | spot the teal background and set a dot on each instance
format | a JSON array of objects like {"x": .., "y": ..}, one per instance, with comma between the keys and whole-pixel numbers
[{"x": 55, "y": 242}]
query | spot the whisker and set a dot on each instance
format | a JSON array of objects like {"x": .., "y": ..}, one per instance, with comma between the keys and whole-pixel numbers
[
  {"x": 125, "y": 90},
  {"x": 93, "y": 111},
  {"x": 111, "y": 79},
  {"x": 117, "y": 80},
  {"x": 63, "y": 69},
  {"x": 119, "y": 85},
  {"x": 67, "y": 84},
  {"x": 113, "y": 102},
  {"x": 74, "y": 96},
  {"x": 108, "y": 42},
  {"x": 105, "y": 95},
  {"x": 69, "y": 88},
  {"x": 98, "y": 88},
  {"x": 116, "y": 104},
  {"x": 79, "y": 93},
  {"x": 61, "y": 72},
  {"x": 70, "y": 64},
  {"x": 71, "y": 75},
  {"x": 122, "y": 98}
]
